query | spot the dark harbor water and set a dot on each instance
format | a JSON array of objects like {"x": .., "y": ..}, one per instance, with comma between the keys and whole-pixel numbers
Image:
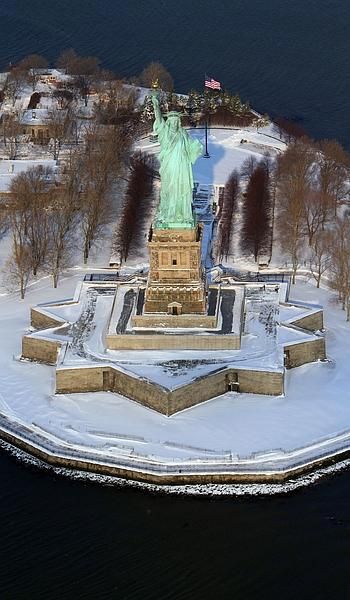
[
  {"x": 287, "y": 58},
  {"x": 64, "y": 539}
]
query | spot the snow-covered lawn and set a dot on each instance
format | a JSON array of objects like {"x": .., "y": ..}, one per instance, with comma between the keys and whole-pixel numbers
[{"x": 226, "y": 150}]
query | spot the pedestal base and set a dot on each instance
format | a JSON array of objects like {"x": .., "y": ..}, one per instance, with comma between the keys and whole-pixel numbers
[{"x": 175, "y": 285}]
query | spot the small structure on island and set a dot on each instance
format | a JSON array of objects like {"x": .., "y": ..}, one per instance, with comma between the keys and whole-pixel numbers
[{"x": 41, "y": 124}]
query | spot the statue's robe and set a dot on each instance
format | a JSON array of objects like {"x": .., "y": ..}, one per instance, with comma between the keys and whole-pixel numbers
[{"x": 178, "y": 151}]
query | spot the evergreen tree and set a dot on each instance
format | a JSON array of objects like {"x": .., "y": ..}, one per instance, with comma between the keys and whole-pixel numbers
[
  {"x": 226, "y": 215},
  {"x": 256, "y": 230},
  {"x": 147, "y": 112}
]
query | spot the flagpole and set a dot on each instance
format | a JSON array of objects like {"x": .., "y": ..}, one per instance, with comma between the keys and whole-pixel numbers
[
  {"x": 215, "y": 85},
  {"x": 206, "y": 153}
]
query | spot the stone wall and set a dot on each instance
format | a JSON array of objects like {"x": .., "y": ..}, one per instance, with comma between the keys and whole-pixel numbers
[
  {"x": 312, "y": 322},
  {"x": 41, "y": 320},
  {"x": 305, "y": 352},
  {"x": 40, "y": 350},
  {"x": 163, "y": 400},
  {"x": 149, "y": 394},
  {"x": 80, "y": 380},
  {"x": 270, "y": 383},
  {"x": 191, "y": 297},
  {"x": 198, "y": 391},
  {"x": 140, "y": 341}
]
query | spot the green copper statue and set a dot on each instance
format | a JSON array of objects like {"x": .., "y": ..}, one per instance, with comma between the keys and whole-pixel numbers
[{"x": 178, "y": 152}]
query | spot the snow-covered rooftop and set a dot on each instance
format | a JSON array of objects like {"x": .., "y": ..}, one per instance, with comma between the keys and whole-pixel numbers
[{"x": 36, "y": 116}]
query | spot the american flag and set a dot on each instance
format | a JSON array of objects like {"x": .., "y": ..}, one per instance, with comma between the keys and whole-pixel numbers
[{"x": 211, "y": 83}]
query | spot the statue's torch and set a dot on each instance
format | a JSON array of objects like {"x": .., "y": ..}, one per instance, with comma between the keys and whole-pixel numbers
[{"x": 155, "y": 87}]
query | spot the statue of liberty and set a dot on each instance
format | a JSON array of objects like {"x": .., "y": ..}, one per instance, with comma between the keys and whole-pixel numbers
[{"x": 178, "y": 152}]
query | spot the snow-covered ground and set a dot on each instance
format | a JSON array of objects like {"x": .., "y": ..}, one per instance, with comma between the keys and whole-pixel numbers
[
  {"x": 243, "y": 429},
  {"x": 227, "y": 153},
  {"x": 9, "y": 169},
  {"x": 316, "y": 405}
]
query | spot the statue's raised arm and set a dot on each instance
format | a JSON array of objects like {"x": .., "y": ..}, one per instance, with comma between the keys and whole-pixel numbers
[{"x": 157, "y": 112}]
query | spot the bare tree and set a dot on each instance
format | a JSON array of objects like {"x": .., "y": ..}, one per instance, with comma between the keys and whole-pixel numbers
[
  {"x": 66, "y": 59},
  {"x": 19, "y": 265},
  {"x": 30, "y": 192},
  {"x": 320, "y": 255},
  {"x": 62, "y": 220},
  {"x": 248, "y": 167},
  {"x": 11, "y": 134},
  {"x": 33, "y": 65},
  {"x": 85, "y": 72},
  {"x": 59, "y": 127},
  {"x": 334, "y": 169},
  {"x": 340, "y": 262},
  {"x": 116, "y": 102},
  {"x": 96, "y": 211},
  {"x": 14, "y": 83},
  {"x": 313, "y": 213},
  {"x": 156, "y": 71},
  {"x": 64, "y": 98},
  {"x": 295, "y": 173}
]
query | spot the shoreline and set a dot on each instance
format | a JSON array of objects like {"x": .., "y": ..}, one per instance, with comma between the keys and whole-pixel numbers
[{"x": 158, "y": 478}]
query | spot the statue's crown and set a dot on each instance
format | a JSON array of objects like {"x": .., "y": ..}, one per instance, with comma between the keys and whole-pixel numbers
[{"x": 173, "y": 113}]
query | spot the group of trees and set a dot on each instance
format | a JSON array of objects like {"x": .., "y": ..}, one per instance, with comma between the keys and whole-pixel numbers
[
  {"x": 312, "y": 187},
  {"x": 221, "y": 108},
  {"x": 28, "y": 71},
  {"x": 255, "y": 205},
  {"x": 311, "y": 179},
  {"x": 299, "y": 199},
  {"x": 50, "y": 219},
  {"x": 289, "y": 130},
  {"x": 116, "y": 104},
  {"x": 339, "y": 264},
  {"x": 41, "y": 214}
]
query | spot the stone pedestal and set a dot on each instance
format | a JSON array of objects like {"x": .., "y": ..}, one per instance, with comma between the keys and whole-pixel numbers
[{"x": 175, "y": 285}]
